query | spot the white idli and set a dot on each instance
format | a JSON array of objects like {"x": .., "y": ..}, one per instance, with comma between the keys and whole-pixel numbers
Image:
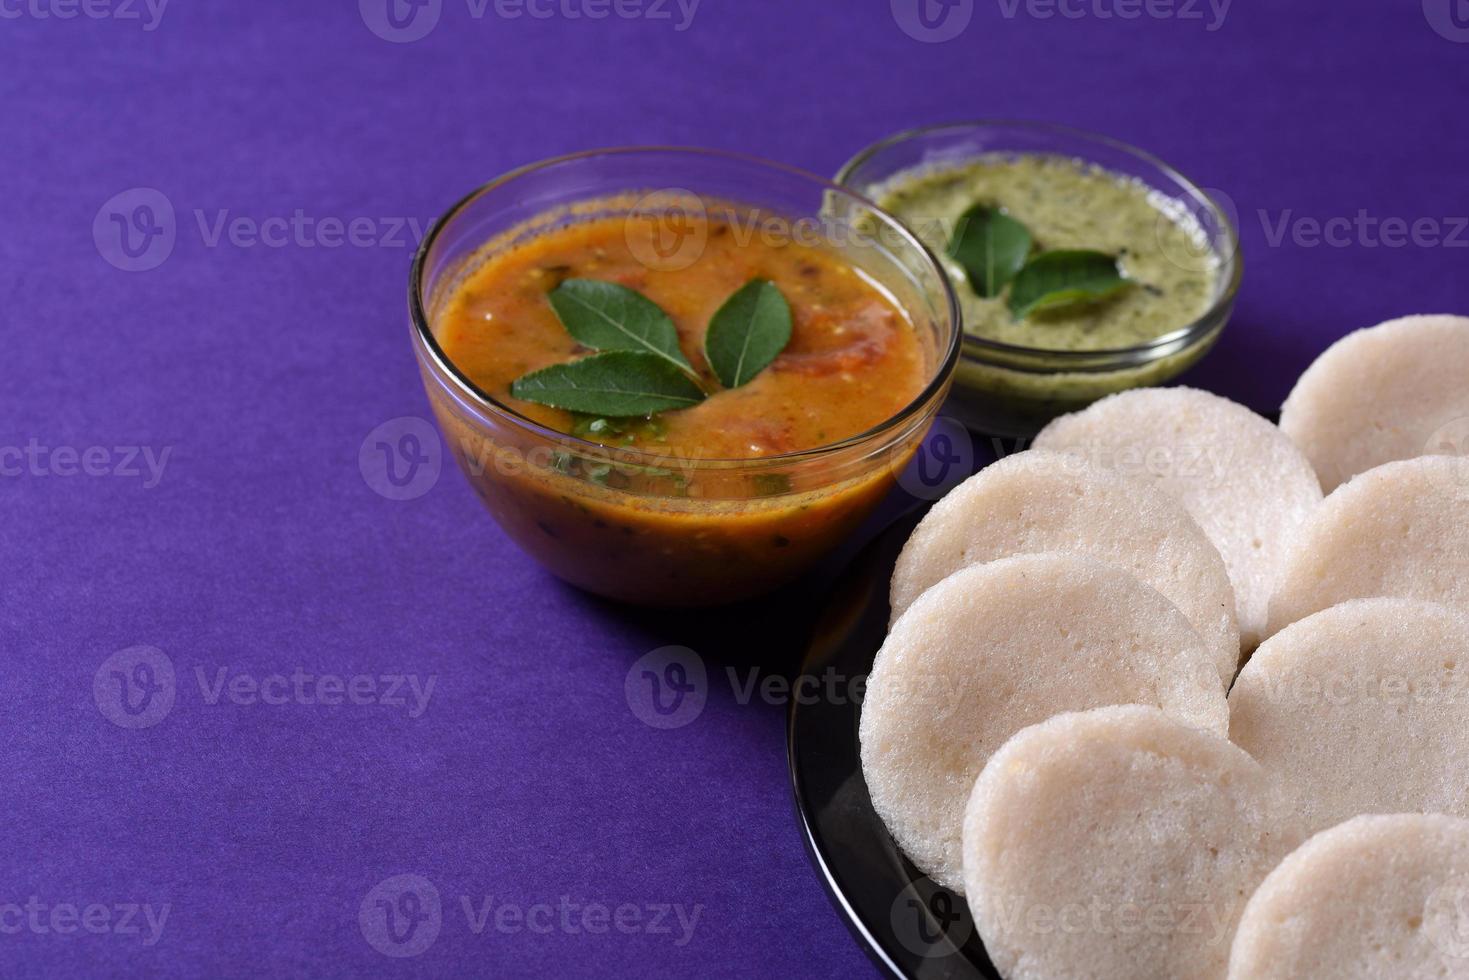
[
  {"x": 1246, "y": 484},
  {"x": 1376, "y": 898},
  {"x": 996, "y": 647},
  {"x": 1117, "y": 843},
  {"x": 1038, "y": 501},
  {"x": 1401, "y": 529},
  {"x": 1393, "y": 391},
  {"x": 1362, "y": 708}
]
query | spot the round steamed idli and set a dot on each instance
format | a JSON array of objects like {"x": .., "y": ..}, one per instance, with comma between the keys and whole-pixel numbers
[
  {"x": 996, "y": 647},
  {"x": 1394, "y": 391},
  {"x": 1399, "y": 530},
  {"x": 1363, "y": 708},
  {"x": 1039, "y": 501},
  {"x": 1376, "y": 898},
  {"x": 1246, "y": 484},
  {"x": 1117, "y": 843}
]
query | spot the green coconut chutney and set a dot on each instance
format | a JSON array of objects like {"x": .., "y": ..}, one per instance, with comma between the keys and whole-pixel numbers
[{"x": 1068, "y": 204}]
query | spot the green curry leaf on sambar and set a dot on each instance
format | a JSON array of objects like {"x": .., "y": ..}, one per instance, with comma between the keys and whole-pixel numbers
[
  {"x": 616, "y": 384},
  {"x": 747, "y": 332},
  {"x": 608, "y": 316}
]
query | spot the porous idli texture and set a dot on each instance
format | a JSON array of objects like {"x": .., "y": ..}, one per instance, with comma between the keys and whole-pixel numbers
[
  {"x": 1375, "y": 898},
  {"x": 1394, "y": 391},
  {"x": 1240, "y": 477},
  {"x": 1362, "y": 708},
  {"x": 1118, "y": 844},
  {"x": 1044, "y": 502},
  {"x": 1399, "y": 530},
  {"x": 996, "y": 647}
]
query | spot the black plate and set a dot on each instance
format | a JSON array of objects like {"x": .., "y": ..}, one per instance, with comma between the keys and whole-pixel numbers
[{"x": 910, "y": 926}]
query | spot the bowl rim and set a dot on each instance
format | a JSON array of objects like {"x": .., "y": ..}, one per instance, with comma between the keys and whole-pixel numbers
[
  {"x": 1158, "y": 347},
  {"x": 482, "y": 401}
]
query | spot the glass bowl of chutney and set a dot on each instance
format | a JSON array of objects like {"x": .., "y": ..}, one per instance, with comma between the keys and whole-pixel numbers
[{"x": 1177, "y": 245}]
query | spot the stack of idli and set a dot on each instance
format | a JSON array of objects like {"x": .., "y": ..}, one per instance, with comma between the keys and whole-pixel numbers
[{"x": 1054, "y": 727}]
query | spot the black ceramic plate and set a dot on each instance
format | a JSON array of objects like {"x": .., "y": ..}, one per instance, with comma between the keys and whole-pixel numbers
[{"x": 911, "y": 927}]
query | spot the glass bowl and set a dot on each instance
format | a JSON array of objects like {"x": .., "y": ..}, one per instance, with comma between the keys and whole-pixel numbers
[
  {"x": 1010, "y": 390},
  {"x": 658, "y": 529}
]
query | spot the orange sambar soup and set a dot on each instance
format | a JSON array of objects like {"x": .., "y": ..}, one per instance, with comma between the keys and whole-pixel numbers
[{"x": 854, "y": 359}]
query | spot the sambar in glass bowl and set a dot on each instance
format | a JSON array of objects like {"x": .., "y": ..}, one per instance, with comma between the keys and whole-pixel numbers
[{"x": 748, "y": 485}]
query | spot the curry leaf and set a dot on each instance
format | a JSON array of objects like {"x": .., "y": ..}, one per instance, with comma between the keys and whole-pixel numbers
[
  {"x": 991, "y": 246},
  {"x": 1064, "y": 277},
  {"x": 607, "y": 316},
  {"x": 748, "y": 332},
  {"x": 617, "y": 384}
]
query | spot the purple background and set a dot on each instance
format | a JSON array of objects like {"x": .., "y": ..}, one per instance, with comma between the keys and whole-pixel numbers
[{"x": 262, "y": 370}]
